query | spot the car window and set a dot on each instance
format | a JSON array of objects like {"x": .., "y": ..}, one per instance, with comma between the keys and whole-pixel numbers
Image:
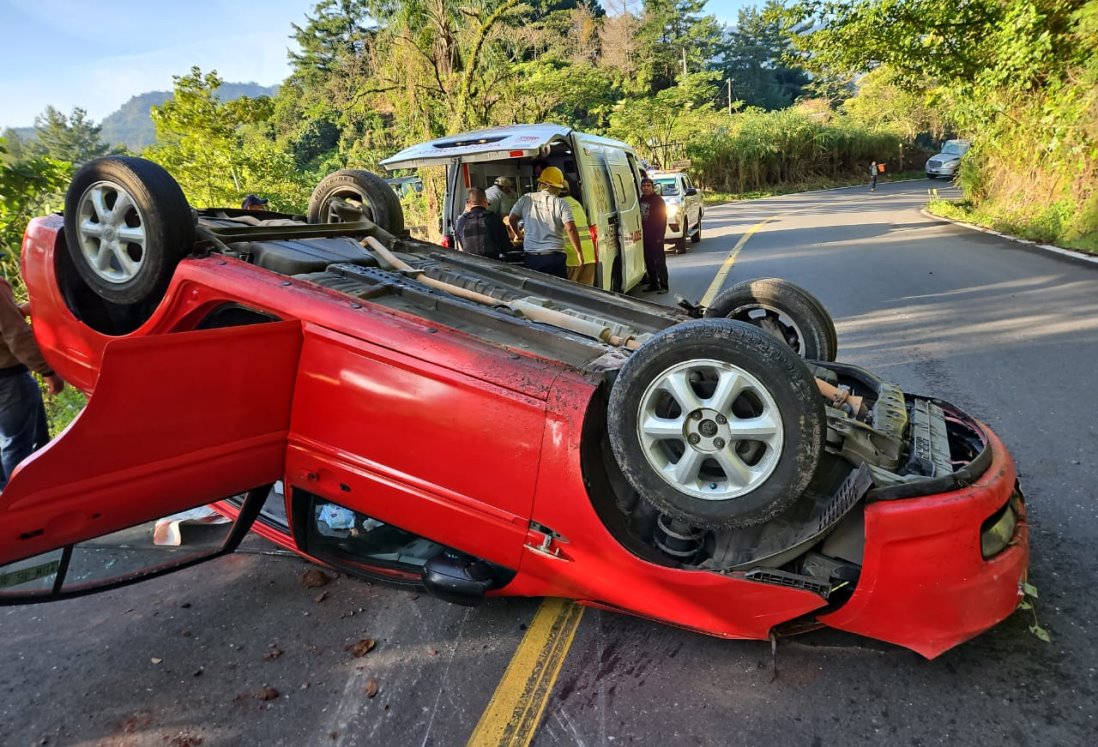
[
  {"x": 666, "y": 187},
  {"x": 954, "y": 149}
]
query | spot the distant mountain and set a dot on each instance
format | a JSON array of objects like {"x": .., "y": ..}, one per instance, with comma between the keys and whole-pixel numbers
[{"x": 132, "y": 125}]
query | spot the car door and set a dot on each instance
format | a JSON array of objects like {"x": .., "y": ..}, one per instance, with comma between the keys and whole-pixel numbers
[
  {"x": 176, "y": 422},
  {"x": 627, "y": 197}
]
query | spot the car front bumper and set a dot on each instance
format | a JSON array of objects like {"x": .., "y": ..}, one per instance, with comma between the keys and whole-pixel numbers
[
  {"x": 925, "y": 583},
  {"x": 948, "y": 169}
]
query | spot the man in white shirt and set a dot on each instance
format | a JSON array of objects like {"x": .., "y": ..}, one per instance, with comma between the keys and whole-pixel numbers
[
  {"x": 501, "y": 196},
  {"x": 546, "y": 220}
]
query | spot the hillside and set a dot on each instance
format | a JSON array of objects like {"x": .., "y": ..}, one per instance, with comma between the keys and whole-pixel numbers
[{"x": 132, "y": 126}]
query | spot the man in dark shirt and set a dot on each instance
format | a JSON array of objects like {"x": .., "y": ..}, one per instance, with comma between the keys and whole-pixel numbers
[
  {"x": 480, "y": 231},
  {"x": 654, "y": 226}
]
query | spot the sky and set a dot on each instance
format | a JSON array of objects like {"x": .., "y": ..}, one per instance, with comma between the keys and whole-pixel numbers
[{"x": 76, "y": 53}]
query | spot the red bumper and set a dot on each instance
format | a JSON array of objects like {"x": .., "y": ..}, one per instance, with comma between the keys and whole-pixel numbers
[{"x": 925, "y": 584}]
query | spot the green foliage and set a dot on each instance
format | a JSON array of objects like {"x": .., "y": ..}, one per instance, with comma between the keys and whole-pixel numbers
[
  {"x": 661, "y": 125},
  {"x": 755, "y": 57},
  {"x": 74, "y": 138},
  {"x": 219, "y": 151},
  {"x": 28, "y": 187},
  {"x": 1019, "y": 77},
  {"x": 62, "y": 408},
  {"x": 670, "y": 31},
  {"x": 756, "y": 150}
]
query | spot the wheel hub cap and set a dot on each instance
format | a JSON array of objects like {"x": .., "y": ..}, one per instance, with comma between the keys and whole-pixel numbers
[{"x": 710, "y": 429}]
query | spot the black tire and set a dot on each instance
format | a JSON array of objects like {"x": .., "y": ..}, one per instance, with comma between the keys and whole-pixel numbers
[
  {"x": 688, "y": 462},
  {"x": 680, "y": 243},
  {"x": 697, "y": 236},
  {"x": 931, "y": 176},
  {"x": 376, "y": 199},
  {"x": 787, "y": 311},
  {"x": 127, "y": 225}
]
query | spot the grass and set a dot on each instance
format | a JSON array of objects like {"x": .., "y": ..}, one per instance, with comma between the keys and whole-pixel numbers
[
  {"x": 716, "y": 198},
  {"x": 1025, "y": 226},
  {"x": 61, "y": 409}
]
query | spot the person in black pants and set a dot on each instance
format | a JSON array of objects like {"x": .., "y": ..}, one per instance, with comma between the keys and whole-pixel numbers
[{"x": 654, "y": 226}]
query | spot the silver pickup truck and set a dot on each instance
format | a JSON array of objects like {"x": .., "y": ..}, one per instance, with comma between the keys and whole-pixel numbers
[{"x": 684, "y": 208}]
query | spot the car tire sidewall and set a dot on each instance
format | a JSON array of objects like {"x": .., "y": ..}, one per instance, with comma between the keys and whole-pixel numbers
[
  {"x": 788, "y": 382},
  {"x": 819, "y": 339},
  {"x": 165, "y": 216},
  {"x": 384, "y": 205}
]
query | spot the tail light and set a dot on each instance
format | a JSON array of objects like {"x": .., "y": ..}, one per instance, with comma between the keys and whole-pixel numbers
[
  {"x": 446, "y": 242},
  {"x": 594, "y": 231}
]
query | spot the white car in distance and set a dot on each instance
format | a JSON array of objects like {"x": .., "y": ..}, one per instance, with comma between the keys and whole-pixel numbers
[{"x": 684, "y": 207}]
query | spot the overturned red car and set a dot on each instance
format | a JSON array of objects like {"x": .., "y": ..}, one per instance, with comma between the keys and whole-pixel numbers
[{"x": 399, "y": 411}]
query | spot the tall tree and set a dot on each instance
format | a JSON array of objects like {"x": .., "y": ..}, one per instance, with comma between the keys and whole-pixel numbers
[
  {"x": 219, "y": 150},
  {"x": 755, "y": 58},
  {"x": 675, "y": 39},
  {"x": 73, "y": 138}
]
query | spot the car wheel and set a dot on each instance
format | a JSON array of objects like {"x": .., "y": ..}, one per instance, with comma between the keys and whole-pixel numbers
[
  {"x": 127, "y": 225},
  {"x": 931, "y": 176},
  {"x": 697, "y": 237},
  {"x": 366, "y": 192},
  {"x": 783, "y": 309},
  {"x": 717, "y": 424}
]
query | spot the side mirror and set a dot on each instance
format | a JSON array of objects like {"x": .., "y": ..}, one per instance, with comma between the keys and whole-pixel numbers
[{"x": 691, "y": 192}]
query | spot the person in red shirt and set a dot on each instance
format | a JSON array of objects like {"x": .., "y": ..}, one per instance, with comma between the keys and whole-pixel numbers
[
  {"x": 23, "y": 426},
  {"x": 654, "y": 226}
]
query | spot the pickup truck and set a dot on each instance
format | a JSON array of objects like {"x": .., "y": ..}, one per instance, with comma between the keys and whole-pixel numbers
[{"x": 684, "y": 208}]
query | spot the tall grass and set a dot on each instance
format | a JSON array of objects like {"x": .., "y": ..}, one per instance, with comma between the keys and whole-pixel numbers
[{"x": 759, "y": 150}]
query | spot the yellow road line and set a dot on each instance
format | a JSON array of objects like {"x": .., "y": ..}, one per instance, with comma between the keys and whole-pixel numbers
[
  {"x": 718, "y": 279},
  {"x": 517, "y": 705}
]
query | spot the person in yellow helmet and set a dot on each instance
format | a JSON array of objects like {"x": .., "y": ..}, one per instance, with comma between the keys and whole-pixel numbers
[
  {"x": 580, "y": 272},
  {"x": 547, "y": 221}
]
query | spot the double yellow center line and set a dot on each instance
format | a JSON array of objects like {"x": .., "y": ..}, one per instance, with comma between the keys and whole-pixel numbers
[{"x": 516, "y": 707}]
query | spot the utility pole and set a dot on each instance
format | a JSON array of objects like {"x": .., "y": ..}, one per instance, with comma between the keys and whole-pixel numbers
[{"x": 730, "y": 97}]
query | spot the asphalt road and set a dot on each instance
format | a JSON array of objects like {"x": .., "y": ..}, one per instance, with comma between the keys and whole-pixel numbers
[{"x": 1005, "y": 331}]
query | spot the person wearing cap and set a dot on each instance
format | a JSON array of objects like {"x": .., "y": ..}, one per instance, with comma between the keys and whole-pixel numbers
[
  {"x": 547, "y": 221},
  {"x": 254, "y": 202},
  {"x": 501, "y": 196},
  {"x": 23, "y": 426}
]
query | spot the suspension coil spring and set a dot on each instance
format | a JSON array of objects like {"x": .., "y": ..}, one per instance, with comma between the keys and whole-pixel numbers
[{"x": 678, "y": 539}]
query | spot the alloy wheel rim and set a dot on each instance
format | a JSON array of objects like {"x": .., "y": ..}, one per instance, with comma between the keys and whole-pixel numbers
[
  {"x": 710, "y": 429},
  {"x": 112, "y": 232}
]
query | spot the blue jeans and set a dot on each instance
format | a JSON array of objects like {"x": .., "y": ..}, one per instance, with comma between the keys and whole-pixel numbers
[{"x": 23, "y": 427}]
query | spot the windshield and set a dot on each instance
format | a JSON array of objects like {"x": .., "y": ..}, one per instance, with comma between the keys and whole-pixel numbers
[
  {"x": 954, "y": 149},
  {"x": 666, "y": 187}
]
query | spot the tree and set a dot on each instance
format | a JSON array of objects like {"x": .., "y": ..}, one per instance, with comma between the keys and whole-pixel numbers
[
  {"x": 74, "y": 138},
  {"x": 28, "y": 187},
  {"x": 755, "y": 58},
  {"x": 218, "y": 151},
  {"x": 674, "y": 39},
  {"x": 660, "y": 126}
]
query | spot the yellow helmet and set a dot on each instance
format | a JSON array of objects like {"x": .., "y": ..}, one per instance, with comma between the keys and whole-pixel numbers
[{"x": 552, "y": 176}]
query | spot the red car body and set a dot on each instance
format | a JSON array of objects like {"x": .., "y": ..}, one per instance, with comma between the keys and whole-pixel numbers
[{"x": 473, "y": 445}]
